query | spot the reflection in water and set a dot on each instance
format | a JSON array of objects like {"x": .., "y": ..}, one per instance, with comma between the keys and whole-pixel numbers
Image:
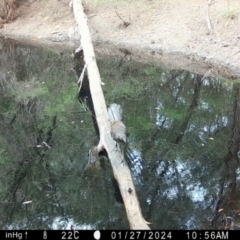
[{"x": 183, "y": 148}]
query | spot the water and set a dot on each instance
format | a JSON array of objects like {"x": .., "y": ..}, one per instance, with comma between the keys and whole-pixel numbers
[{"x": 182, "y": 149}]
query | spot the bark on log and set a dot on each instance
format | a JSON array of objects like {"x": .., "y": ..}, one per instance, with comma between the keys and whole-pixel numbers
[{"x": 120, "y": 169}]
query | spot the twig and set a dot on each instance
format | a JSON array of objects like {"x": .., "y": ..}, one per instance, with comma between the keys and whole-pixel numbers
[
  {"x": 125, "y": 24},
  {"x": 206, "y": 74},
  {"x": 208, "y": 20},
  {"x": 46, "y": 145},
  {"x": 80, "y": 80},
  {"x": 236, "y": 53}
]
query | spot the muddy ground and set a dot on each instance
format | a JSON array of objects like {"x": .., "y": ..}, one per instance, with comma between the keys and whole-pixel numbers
[{"x": 168, "y": 33}]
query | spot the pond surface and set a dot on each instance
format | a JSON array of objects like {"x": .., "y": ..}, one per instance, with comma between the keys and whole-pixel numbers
[{"x": 183, "y": 145}]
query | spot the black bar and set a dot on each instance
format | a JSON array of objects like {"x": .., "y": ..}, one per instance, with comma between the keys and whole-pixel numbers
[{"x": 119, "y": 235}]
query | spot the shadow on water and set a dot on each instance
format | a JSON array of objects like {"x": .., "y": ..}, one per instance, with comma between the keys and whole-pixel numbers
[{"x": 183, "y": 147}]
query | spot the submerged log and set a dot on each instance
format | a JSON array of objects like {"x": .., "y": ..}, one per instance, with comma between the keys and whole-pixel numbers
[{"x": 120, "y": 169}]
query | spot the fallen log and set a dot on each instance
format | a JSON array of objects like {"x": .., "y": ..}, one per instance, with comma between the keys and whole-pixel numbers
[{"x": 121, "y": 171}]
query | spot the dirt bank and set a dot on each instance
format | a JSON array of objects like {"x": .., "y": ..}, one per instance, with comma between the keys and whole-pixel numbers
[{"x": 169, "y": 33}]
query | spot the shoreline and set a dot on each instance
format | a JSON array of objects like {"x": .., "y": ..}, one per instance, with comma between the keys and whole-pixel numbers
[{"x": 172, "y": 46}]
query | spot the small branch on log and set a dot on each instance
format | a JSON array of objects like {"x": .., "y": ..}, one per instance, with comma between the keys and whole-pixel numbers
[{"x": 80, "y": 80}]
